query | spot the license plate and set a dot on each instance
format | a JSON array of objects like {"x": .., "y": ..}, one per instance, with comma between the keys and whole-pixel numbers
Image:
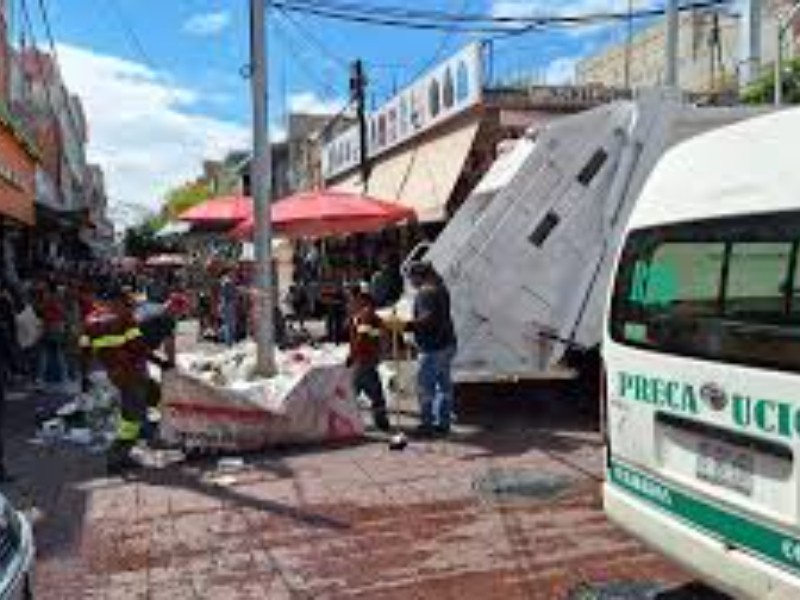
[{"x": 726, "y": 466}]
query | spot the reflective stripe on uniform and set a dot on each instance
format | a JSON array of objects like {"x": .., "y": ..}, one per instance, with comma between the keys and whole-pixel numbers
[
  {"x": 114, "y": 341},
  {"x": 109, "y": 341},
  {"x": 368, "y": 330},
  {"x": 127, "y": 431}
]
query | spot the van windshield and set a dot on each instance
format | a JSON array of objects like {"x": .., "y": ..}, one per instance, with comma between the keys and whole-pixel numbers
[{"x": 725, "y": 289}]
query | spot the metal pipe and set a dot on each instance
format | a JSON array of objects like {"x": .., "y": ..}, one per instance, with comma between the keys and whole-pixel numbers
[{"x": 261, "y": 185}]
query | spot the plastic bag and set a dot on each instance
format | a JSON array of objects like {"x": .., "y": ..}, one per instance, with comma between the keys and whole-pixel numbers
[{"x": 29, "y": 328}]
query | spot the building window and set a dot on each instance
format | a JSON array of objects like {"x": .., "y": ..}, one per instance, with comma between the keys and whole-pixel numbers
[
  {"x": 462, "y": 83},
  {"x": 449, "y": 90}
]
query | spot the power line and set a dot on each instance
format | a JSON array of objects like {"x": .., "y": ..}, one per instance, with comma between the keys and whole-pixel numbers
[
  {"x": 468, "y": 23},
  {"x": 440, "y": 50},
  {"x": 321, "y": 47},
  {"x": 297, "y": 57},
  {"x": 78, "y": 129},
  {"x": 130, "y": 33},
  {"x": 48, "y": 92}
]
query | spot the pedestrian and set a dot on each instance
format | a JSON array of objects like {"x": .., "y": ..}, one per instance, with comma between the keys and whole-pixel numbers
[
  {"x": 435, "y": 338},
  {"x": 386, "y": 284},
  {"x": 73, "y": 330},
  {"x": 52, "y": 368},
  {"x": 7, "y": 344},
  {"x": 229, "y": 310},
  {"x": 334, "y": 300},
  {"x": 366, "y": 337}
]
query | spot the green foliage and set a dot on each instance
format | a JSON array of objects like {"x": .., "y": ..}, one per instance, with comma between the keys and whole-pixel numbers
[
  {"x": 141, "y": 240},
  {"x": 184, "y": 197},
  {"x": 763, "y": 90}
]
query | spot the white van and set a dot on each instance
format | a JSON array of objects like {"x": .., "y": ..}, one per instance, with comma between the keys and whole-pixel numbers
[{"x": 702, "y": 360}]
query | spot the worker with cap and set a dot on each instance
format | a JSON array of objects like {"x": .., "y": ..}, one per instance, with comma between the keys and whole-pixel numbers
[
  {"x": 113, "y": 337},
  {"x": 366, "y": 341}
]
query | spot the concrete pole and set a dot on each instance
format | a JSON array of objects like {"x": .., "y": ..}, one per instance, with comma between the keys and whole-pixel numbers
[
  {"x": 673, "y": 24},
  {"x": 261, "y": 185},
  {"x": 754, "y": 40},
  {"x": 778, "y": 83}
]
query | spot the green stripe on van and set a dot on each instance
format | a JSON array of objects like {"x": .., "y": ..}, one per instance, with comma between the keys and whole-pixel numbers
[{"x": 736, "y": 530}]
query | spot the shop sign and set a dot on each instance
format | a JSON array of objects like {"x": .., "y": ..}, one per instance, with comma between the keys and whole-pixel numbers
[
  {"x": 446, "y": 91},
  {"x": 574, "y": 96}
]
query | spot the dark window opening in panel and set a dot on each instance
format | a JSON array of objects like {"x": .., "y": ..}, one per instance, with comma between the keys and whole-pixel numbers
[
  {"x": 544, "y": 229},
  {"x": 592, "y": 167}
]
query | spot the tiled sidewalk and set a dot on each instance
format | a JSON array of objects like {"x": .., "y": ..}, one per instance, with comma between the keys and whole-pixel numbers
[{"x": 348, "y": 522}]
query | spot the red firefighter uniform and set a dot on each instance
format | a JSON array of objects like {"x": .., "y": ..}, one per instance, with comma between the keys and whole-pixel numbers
[{"x": 114, "y": 339}]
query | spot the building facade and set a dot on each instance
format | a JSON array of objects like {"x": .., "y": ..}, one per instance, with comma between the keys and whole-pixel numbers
[
  {"x": 70, "y": 198},
  {"x": 430, "y": 145},
  {"x": 710, "y": 56}
]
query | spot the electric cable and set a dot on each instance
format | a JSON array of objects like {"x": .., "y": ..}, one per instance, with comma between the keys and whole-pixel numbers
[
  {"x": 128, "y": 30},
  {"x": 297, "y": 57},
  {"x": 431, "y": 20}
]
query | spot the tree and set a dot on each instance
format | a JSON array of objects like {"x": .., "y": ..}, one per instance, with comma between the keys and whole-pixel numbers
[
  {"x": 184, "y": 197},
  {"x": 762, "y": 91},
  {"x": 141, "y": 240}
]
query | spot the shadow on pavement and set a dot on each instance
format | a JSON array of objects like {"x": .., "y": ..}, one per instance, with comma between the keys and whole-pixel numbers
[
  {"x": 692, "y": 591},
  {"x": 49, "y": 484},
  {"x": 513, "y": 419},
  {"x": 190, "y": 476}
]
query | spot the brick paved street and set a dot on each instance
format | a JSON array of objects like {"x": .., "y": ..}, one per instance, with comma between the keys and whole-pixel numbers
[{"x": 346, "y": 522}]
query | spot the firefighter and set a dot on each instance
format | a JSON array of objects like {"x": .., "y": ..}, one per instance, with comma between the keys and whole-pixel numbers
[{"x": 114, "y": 339}]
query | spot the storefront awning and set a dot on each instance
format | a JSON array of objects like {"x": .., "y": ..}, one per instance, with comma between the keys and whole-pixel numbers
[{"x": 423, "y": 176}]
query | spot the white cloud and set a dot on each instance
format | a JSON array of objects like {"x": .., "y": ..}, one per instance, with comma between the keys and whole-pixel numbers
[
  {"x": 310, "y": 103},
  {"x": 561, "y": 71},
  {"x": 533, "y": 8},
  {"x": 205, "y": 24},
  {"x": 141, "y": 125},
  {"x": 538, "y": 8}
]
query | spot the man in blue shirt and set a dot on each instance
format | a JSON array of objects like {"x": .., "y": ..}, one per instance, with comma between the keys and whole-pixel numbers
[{"x": 435, "y": 338}]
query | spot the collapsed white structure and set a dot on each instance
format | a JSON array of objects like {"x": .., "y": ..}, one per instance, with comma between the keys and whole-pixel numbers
[{"x": 528, "y": 257}]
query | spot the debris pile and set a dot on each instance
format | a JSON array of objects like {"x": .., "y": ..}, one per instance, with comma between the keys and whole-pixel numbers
[
  {"x": 87, "y": 419},
  {"x": 214, "y": 402}
]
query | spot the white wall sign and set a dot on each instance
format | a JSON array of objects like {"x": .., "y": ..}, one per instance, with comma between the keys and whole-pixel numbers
[{"x": 447, "y": 90}]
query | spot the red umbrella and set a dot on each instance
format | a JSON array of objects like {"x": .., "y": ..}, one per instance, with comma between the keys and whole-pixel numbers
[
  {"x": 226, "y": 209},
  {"x": 166, "y": 260},
  {"x": 323, "y": 213}
]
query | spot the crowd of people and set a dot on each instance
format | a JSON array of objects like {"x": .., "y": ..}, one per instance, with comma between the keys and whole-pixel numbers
[
  {"x": 55, "y": 328},
  {"x": 48, "y": 325}
]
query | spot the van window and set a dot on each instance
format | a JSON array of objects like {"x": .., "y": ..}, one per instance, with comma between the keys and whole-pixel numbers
[{"x": 726, "y": 290}]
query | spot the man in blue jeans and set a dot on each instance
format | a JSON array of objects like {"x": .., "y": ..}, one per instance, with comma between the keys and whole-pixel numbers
[{"x": 435, "y": 338}]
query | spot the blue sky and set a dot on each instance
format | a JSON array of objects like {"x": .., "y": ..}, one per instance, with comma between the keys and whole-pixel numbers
[{"x": 156, "y": 111}]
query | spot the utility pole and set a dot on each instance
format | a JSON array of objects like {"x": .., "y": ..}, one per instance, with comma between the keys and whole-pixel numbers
[
  {"x": 629, "y": 46},
  {"x": 784, "y": 24},
  {"x": 673, "y": 25},
  {"x": 753, "y": 37},
  {"x": 261, "y": 184},
  {"x": 358, "y": 93}
]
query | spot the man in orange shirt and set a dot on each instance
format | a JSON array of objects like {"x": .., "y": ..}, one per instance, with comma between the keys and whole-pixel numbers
[{"x": 366, "y": 337}]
